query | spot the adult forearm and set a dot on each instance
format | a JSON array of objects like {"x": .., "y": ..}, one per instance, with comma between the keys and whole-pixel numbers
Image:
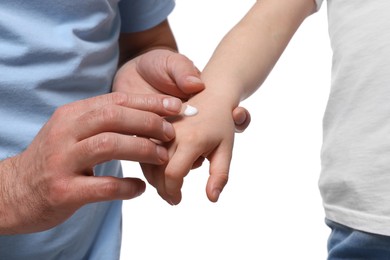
[{"x": 7, "y": 167}]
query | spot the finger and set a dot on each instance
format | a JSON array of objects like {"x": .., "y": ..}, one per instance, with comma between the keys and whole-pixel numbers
[
  {"x": 160, "y": 104},
  {"x": 154, "y": 174},
  {"x": 110, "y": 146},
  {"x": 185, "y": 74},
  {"x": 242, "y": 119},
  {"x": 178, "y": 167},
  {"x": 148, "y": 170},
  {"x": 219, "y": 172},
  {"x": 176, "y": 74},
  {"x": 198, "y": 162},
  {"x": 118, "y": 119},
  {"x": 89, "y": 189}
]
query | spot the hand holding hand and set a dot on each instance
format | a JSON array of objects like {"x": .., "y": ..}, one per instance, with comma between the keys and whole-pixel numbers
[
  {"x": 53, "y": 177},
  {"x": 167, "y": 72},
  {"x": 164, "y": 71},
  {"x": 159, "y": 71},
  {"x": 206, "y": 135}
]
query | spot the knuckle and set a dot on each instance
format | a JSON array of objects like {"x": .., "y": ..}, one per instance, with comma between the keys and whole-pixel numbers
[
  {"x": 52, "y": 161},
  {"x": 173, "y": 177},
  {"x": 145, "y": 102},
  {"x": 110, "y": 113},
  {"x": 52, "y": 139},
  {"x": 152, "y": 122},
  {"x": 110, "y": 188},
  {"x": 145, "y": 148},
  {"x": 153, "y": 102},
  {"x": 223, "y": 178},
  {"x": 101, "y": 144},
  {"x": 119, "y": 98},
  {"x": 194, "y": 138},
  {"x": 57, "y": 192},
  {"x": 177, "y": 57},
  {"x": 62, "y": 111}
]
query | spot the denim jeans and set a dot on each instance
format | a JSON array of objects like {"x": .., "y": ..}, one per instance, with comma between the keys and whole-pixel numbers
[{"x": 349, "y": 244}]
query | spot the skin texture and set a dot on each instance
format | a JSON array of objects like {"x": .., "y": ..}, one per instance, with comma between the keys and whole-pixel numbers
[
  {"x": 45, "y": 184},
  {"x": 239, "y": 65},
  {"x": 41, "y": 187},
  {"x": 185, "y": 84},
  {"x": 183, "y": 81}
]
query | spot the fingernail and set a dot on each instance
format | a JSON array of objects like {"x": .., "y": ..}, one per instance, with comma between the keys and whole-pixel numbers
[
  {"x": 162, "y": 153},
  {"x": 194, "y": 80},
  {"x": 172, "y": 104},
  {"x": 168, "y": 129}
]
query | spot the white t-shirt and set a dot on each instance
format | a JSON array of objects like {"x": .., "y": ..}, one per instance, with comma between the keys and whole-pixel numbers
[{"x": 355, "y": 177}]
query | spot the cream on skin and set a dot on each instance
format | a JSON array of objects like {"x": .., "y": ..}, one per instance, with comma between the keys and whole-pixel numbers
[{"x": 190, "y": 111}]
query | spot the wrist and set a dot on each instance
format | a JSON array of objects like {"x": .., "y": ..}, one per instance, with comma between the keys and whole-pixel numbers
[{"x": 209, "y": 98}]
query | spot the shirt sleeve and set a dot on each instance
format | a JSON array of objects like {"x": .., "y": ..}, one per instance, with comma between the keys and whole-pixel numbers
[{"x": 140, "y": 15}]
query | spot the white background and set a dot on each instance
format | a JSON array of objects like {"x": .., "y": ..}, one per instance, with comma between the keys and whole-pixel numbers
[{"x": 271, "y": 207}]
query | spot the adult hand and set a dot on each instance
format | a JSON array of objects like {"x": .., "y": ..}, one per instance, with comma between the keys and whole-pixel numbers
[
  {"x": 53, "y": 177},
  {"x": 168, "y": 72},
  {"x": 159, "y": 71}
]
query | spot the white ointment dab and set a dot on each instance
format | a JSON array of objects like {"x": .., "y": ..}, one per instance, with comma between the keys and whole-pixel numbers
[{"x": 190, "y": 111}]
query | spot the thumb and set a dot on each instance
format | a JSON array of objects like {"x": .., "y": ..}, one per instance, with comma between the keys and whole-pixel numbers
[
  {"x": 242, "y": 119},
  {"x": 185, "y": 74},
  {"x": 170, "y": 72},
  {"x": 90, "y": 189}
]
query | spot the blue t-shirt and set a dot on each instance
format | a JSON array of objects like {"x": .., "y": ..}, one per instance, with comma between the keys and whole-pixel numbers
[{"x": 53, "y": 52}]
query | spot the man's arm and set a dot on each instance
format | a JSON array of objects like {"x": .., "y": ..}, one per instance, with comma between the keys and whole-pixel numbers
[{"x": 45, "y": 184}]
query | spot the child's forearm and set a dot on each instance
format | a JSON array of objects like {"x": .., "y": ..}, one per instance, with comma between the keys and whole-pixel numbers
[{"x": 247, "y": 54}]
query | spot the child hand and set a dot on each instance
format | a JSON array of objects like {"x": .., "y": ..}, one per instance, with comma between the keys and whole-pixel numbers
[{"x": 209, "y": 134}]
